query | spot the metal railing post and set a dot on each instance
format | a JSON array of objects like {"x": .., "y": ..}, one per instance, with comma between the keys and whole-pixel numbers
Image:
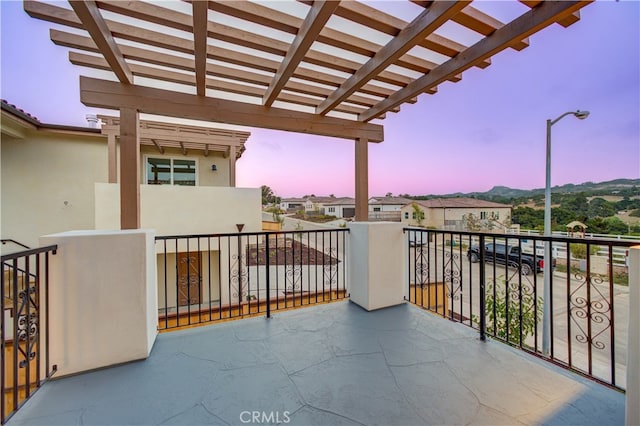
[
  {"x": 268, "y": 270},
  {"x": 483, "y": 307}
]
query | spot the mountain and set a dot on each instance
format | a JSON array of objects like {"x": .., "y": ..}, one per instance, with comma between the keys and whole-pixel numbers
[{"x": 630, "y": 187}]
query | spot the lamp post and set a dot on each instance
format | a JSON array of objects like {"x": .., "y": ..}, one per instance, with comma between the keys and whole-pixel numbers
[{"x": 548, "y": 264}]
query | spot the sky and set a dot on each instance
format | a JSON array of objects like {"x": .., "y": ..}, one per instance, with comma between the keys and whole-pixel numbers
[{"x": 488, "y": 129}]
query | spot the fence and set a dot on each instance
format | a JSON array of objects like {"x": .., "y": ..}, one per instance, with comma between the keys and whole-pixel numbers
[
  {"x": 203, "y": 278},
  {"x": 495, "y": 283},
  {"x": 24, "y": 328}
]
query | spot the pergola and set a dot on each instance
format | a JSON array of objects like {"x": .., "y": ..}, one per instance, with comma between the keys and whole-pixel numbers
[{"x": 321, "y": 67}]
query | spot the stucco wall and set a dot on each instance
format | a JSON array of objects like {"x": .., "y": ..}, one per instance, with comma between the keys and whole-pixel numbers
[
  {"x": 47, "y": 184},
  {"x": 180, "y": 210}
]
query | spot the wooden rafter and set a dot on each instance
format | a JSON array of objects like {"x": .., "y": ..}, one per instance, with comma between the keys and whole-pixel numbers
[
  {"x": 108, "y": 94},
  {"x": 157, "y": 145},
  {"x": 200, "y": 21},
  {"x": 92, "y": 20},
  {"x": 427, "y": 22},
  {"x": 315, "y": 21},
  {"x": 267, "y": 52},
  {"x": 529, "y": 23}
]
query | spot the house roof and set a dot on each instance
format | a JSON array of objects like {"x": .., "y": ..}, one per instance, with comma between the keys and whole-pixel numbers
[
  {"x": 32, "y": 120},
  {"x": 325, "y": 68},
  {"x": 459, "y": 202},
  {"x": 342, "y": 201},
  {"x": 389, "y": 200}
]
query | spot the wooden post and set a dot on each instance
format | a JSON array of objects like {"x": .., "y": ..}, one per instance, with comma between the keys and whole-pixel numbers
[
  {"x": 129, "y": 169},
  {"x": 232, "y": 166},
  {"x": 362, "y": 180},
  {"x": 112, "y": 158}
]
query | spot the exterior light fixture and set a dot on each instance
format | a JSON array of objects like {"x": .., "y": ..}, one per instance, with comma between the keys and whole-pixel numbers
[{"x": 214, "y": 168}]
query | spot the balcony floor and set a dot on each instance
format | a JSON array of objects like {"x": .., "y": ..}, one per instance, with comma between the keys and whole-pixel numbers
[{"x": 328, "y": 365}]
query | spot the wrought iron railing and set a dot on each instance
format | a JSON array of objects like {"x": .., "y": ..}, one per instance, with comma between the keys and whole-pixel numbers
[
  {"x": 203, "y": 278},
  {"x": 24, "y": 327},
  {"x": 466, "y": 277}
]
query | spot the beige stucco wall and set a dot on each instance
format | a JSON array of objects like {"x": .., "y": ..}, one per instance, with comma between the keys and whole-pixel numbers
[
  {"x": 435, "y": 218},
  {"x": 180, "y": 210},
  {"x": 47, "y": 183}
]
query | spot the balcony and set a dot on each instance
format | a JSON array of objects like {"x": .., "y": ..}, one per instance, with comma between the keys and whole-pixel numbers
[
  {"x": 443, "y": 358},
  {"x": 328, "y": 364}
]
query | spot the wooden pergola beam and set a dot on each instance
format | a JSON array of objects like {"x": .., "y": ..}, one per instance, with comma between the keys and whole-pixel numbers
[
  {"x": 92, "y": 20},
  {"x": 315, "y": 21},
  {"x": 112, "y": 95},
  {"x": 529, "y": 23},
  {"x": 426, "y": 23},
  {"x": 200, "y": 22}
]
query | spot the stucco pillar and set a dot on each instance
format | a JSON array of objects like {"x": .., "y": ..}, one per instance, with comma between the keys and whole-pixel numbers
[
  {"x": 632, "y": 411},
  {"x": 103, "y": 298},
  {"x": 377, "y": 270},
  {"x": 362, "y": 180}
]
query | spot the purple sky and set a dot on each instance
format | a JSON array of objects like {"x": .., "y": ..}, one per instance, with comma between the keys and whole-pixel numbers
[{"x": 486, "y": 130}]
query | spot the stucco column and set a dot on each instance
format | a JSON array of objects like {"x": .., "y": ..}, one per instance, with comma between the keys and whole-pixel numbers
[
  {"x": 103, "y": 298},
  {"x": 377, "y": 269},
  {"x": 362, "y": 180},
  {"x": 632, "y": 414},
  {"x": 129, "y": 169}
]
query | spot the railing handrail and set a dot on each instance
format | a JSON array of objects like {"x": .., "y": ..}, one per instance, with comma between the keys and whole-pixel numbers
[
  {"x": 235, "y": 234},
  {"x": 7, "y": 257},
  {"x": 552, "y": 238},
  {"x": 10, "y": 240}
]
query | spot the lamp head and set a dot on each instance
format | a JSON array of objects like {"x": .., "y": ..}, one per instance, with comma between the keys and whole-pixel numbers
[{"x": 581, "y": 114}]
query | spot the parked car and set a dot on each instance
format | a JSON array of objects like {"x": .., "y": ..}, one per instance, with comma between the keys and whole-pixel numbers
[{"x": 509, "y": 255}]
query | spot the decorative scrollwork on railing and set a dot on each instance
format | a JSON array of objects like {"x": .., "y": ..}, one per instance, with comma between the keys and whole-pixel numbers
[
  {"x": 330, "y": 271},
  {"x": 238, "y": 276},
  {"x": 590, "y": 305},
  {"x": 421, "y": 265},
  {"x": 452, "y": 274},
  {"x": 28, "y": 326},
  {"x": 293, "y": 278}
]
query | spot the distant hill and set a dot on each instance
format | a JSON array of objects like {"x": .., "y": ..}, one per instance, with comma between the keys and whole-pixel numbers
[{"x": 630, "y": 187}]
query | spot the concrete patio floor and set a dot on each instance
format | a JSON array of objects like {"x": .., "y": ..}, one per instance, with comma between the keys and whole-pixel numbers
[{"x": 333, "y": 364}]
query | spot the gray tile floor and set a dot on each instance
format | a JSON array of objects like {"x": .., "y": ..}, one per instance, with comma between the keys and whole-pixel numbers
[{"x": 332, "y": 364}]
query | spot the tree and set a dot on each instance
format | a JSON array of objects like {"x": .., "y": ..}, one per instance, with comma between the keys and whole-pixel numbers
[
  {"x": 472, "y": 222},
  {"x": 418, "y": 213},
  {"x": 599, "y": 207},
  {"x": 268, "y": 197}
]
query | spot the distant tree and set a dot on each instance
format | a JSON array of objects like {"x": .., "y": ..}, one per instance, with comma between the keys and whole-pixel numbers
[
  {"x": 388, "y": 194},
  {"x": 599, "y": 207},
  {"x": 528, "y": 218},
  {"x": 472, "y": 222},
  {"x": 418, "y": 213},
  {"x": 635, "y": 213},
  {"x": 268, "y": 197}
]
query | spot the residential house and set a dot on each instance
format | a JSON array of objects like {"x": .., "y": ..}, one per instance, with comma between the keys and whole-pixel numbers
[
  {"x": 342, "y": 208},
  {"x": 293, "y": 204},
  {"x": 56, "y": 178},
  {"x": 386, "y": 208},
  {"x": 457, "y": 214}
]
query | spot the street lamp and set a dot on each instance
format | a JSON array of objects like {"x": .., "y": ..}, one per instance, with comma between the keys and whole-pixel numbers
[{"x": 546, "y": 312}]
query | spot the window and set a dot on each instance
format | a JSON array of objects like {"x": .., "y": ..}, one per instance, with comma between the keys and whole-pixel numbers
[
  {"x": 483, "y": 215},
  {"x": 406, "y": 215},
  {"x": 376, "y": 209},
  {"x": 332, "y": 209},
  {"x": 170, "y": 171}
]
